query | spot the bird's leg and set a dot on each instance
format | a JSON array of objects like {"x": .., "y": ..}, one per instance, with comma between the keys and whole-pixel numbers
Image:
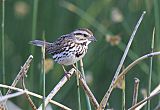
[
  {"x": 74, "y": 67},
  {"x": 79, "y": 73},
  {"x": 64, "y": 69},
  {"x": 66, "y": 73}
]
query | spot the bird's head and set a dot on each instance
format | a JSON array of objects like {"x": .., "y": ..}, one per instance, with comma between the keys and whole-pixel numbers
[{"x": 83, "y": 35}]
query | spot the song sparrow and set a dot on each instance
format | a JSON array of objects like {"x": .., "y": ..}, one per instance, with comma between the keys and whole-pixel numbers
[{"x": 69, "y": 48}]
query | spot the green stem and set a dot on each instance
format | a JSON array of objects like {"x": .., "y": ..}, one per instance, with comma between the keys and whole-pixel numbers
[
  {"x": 34, "y": 23},
  {"x": 78, "y": 90},
  {"x": 150, "y": 69},
  {"x": 123, "y": 94},
  {"x": 157, "y": 26},
  {"x": 43, "y": 72},
  {"x": 87, "y": 98},
  {"x": 35, "y": 10},
  {"x": 33, "y": 36},
  {"x": 3, "y": 46}
]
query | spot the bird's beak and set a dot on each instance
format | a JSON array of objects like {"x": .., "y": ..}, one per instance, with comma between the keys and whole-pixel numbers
[{"x": 92, "y": 38}]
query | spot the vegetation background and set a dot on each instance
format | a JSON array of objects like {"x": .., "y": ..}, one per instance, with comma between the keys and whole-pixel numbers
[{"x": 112, "y": 22}]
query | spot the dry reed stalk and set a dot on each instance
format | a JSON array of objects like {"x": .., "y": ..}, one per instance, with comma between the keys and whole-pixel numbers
[
  {"x": 89, "y": 93},
  {"x": 57, "y": 88},
  {"x": 21, "y": 73},
  {"x": 28, "y": 97},
  {"x": 35, "y": 95},
  {"x": 135, "y": 92},
  {"x": 111, "y": 87},
  {"x": 142, "y": 103}
]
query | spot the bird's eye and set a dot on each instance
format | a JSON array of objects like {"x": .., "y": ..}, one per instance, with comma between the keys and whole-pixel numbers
[{"x": 85, "y": 35}]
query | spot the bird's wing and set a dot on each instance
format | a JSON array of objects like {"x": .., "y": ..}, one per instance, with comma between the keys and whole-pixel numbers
[{"x": 59, "y": 45}]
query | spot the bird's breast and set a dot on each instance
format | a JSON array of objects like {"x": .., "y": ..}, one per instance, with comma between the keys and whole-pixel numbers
[{"x": 71, "y": 54}]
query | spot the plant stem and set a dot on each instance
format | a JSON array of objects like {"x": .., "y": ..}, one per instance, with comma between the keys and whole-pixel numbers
[
  {"x": 89, "y": 93},
  {"x": 57, "y": 88},
  {"x": 3, "y": 44},
  {"x": 106, "y": 96},
  {"x": 135, "y": 92},
  {"x": 157, "y": 31},
  {"x": 34, "y": 24},
  {"x": 78, "y": 90},
  {"x": 87, "y": 98},
  {"x": 43, "y": 72},
  {"x": 141, "y": 104},
  {"x": 123, "y": 94},
  {"x": 9, "y": 96},
  {"x": 34, "y": 95},
  {"x": 150, "y": 69},
  {"x": 22, "y": 73},
  {"x": 130, "y": 66}
]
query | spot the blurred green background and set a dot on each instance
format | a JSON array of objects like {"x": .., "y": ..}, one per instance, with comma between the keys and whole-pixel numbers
[{"x": 112, "y": 22}]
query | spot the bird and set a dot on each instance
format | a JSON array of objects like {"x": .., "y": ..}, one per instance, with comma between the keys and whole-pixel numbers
[{"x": 69, "y": 48}]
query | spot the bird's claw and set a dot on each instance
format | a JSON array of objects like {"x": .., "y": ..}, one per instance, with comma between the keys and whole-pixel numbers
[{"x": 66, "y": 74}]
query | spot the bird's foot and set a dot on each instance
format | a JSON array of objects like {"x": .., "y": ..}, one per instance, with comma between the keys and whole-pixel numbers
[{"x": 67, "y": 75}]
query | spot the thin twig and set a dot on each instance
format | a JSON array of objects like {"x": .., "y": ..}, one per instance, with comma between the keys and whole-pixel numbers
[
  {"x": 135, "y": 92},
  {"x": 21, "y": 73},
  {"x": 86, "y": 89},
  {"x": 3, "y": 105},
  {"x": 28, "y": 97},
  {"x": 57, "y": 88},
  {"x": 125, "y": 71},
  {"x": 140, "y": 104},
  {"x": 88, "y": 92},
  {"x": 106, "y": 96},
  {"x": 87, "y": 98},
  {"x": 9, "y": 96},
  {"x": 35, "y": 95},
  {"x": 152, "y": 93}
]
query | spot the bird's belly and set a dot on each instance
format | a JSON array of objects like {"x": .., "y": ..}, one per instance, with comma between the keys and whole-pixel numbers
[{"x": 69, "y": 58}]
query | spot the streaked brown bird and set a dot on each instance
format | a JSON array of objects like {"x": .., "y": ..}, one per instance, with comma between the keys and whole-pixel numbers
[{"x": 69, "y": 48}]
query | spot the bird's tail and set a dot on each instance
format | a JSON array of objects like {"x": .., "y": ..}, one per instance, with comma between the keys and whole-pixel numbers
[{"x": 39, "y": 43}]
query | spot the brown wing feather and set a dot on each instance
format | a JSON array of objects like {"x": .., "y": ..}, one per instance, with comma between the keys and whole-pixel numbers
[{"x": 59, "y": 45}]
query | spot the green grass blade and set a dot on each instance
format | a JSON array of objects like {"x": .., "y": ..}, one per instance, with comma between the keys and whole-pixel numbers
[
  {"x": 43, "y": 72},
  {"x": 87, "y": 98},
  {"x": 123, "y": 94},
  {"x": 34, "y": 24},
  {"x": 3, "y": 44},
  {"x": 34, "y": 19},
  {"x": 78, "y": 91},
  {"x": 150, "y": 69},
  {"x": 157, "y": 31}
]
